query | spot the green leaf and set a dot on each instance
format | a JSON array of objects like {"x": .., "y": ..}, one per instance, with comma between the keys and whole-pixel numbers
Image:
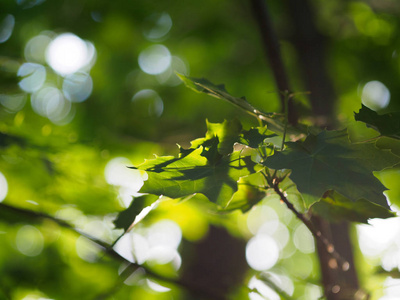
[
  {"x": 202, "y": 85},
  {"x": 387, "y": 124},
  {"x": 227, "y": 133},
  {"x": 255, "y": 137},
  {"x": 251, "y": 190},
  {"x": 275, "y": 123},
  {"x": 195, "y": 173},
  {"x": 328, "y": 161},
  {"x": 335, "y": 207}
]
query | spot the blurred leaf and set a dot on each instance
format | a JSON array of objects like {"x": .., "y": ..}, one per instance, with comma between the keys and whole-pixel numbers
[
  {"x": 394, "y": 273},
  {"x": 387, "y": 124},
  {"x": 328, "y": 161},
  {"x": 126, "y": 218},
  {"x": 335, "y": 207},
  {"x": 270, "y": 281}
]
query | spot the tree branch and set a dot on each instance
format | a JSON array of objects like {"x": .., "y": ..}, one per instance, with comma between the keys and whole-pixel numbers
[
  {"x": 329, "y": 247},
  {"x": 108, "y": 250},
  {"x": 272, "y": 51}
]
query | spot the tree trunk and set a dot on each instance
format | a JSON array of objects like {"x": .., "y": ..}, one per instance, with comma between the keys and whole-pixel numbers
[{"x": 339, "y": 281}]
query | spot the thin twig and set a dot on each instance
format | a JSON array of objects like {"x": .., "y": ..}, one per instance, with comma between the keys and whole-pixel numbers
[{"x": 330, "y": 249}]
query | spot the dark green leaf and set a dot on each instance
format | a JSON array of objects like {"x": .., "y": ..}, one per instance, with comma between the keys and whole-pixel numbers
[
  {"x": 328, "y": 161},
  {"x": 387, "y": 124},
  {"x": 255, "y": 137},
  {"x": 335, "y": 207}
]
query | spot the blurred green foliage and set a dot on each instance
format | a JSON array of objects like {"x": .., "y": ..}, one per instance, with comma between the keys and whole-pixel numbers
[{"x": 59, "y": 169}]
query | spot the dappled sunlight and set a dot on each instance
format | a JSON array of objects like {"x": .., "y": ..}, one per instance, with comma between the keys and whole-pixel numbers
[
  {"x": 284, "y": 283},
  {"x": 147, "y": 103},
  {"x": 6, "y": 27},
  {"x": 378, "y": 27},
  {"x": 3, "y": 187},
  {"x": 128, "y": 180},
  {"x": 156, "y": 244},
  {"x": 375, "y": 95},
  {"x": 35, "y": 297},
  {"x": 379, "y": 237},
  {"x": 68, "y": 53},
  {"x": 35, "y": 48},
  {"x": 87, "y": 250},
  {"x": 168, "y": 77},
  {"x": 391, "y": 289},
  {"x": 13, "y": 103},
  {"x": 34, "y": 76},
  {"x": 29, "y": 241},
  {"x": 157, "y": 26},
  {"x": 157, "y": 287},
  {"x": 155, "y": 59},
  {"x": 303, "y": 239},
  {"x": 77, "y": 87},
  {"x": 29, "y": 3},
  {"x": 262, "y": 252},
  {"x": 260, "y": 215},
  {"x": 50, "y": 102},
  {"x": 72, "y": 215}
]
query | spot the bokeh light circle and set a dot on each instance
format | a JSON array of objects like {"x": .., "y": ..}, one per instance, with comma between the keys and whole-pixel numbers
[
  {"x": 67, "y": 53},
  {"x": 262, "y": 252},
  {"x": 29, "y": 240},
  {"x": 3, "y": 187},
  {"x": 155, "y": 59},
  {"x": 375, "y": 95}
]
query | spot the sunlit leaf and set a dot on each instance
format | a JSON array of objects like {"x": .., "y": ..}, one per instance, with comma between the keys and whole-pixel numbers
[
  {"x": 251, "y": 190},
  {"x": 195, "y": 173},
  {"x": 328, "y": 161},
  {"x": 227, "y": 133},
  {"x": 386, "y": 124}
]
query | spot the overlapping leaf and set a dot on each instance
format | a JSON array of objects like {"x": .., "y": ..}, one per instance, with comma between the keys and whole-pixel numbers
[
  {"x": 328, "y": 161},
  {"x": 227, "y": 133},
  {"x": 194, "y": 173},
  {"x": 209, "y": 167},
  {"x": 335, "y": 207},
  {"x": 386, "y": 124}
]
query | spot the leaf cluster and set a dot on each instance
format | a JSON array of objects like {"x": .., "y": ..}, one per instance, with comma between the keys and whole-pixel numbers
[{"x": 317, "y": 170}]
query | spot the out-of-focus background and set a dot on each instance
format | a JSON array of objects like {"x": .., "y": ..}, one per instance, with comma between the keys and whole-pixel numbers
[{"x": 88, "y": 88}]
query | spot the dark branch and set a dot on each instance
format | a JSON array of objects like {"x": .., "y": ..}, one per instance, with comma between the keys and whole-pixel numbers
[
  {"x": 330, "y": 249},
  {"x": 108, "y": 250},
  {"x": 272, "y": 50}
]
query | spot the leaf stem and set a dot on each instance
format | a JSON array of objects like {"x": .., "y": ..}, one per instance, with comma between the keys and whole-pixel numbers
[{"x": 286, "y": 120}]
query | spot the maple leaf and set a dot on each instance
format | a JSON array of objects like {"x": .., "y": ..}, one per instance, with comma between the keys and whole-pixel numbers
[
  {"x": 328, "y": 161},
  {"x": 387, "y": 124}
]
